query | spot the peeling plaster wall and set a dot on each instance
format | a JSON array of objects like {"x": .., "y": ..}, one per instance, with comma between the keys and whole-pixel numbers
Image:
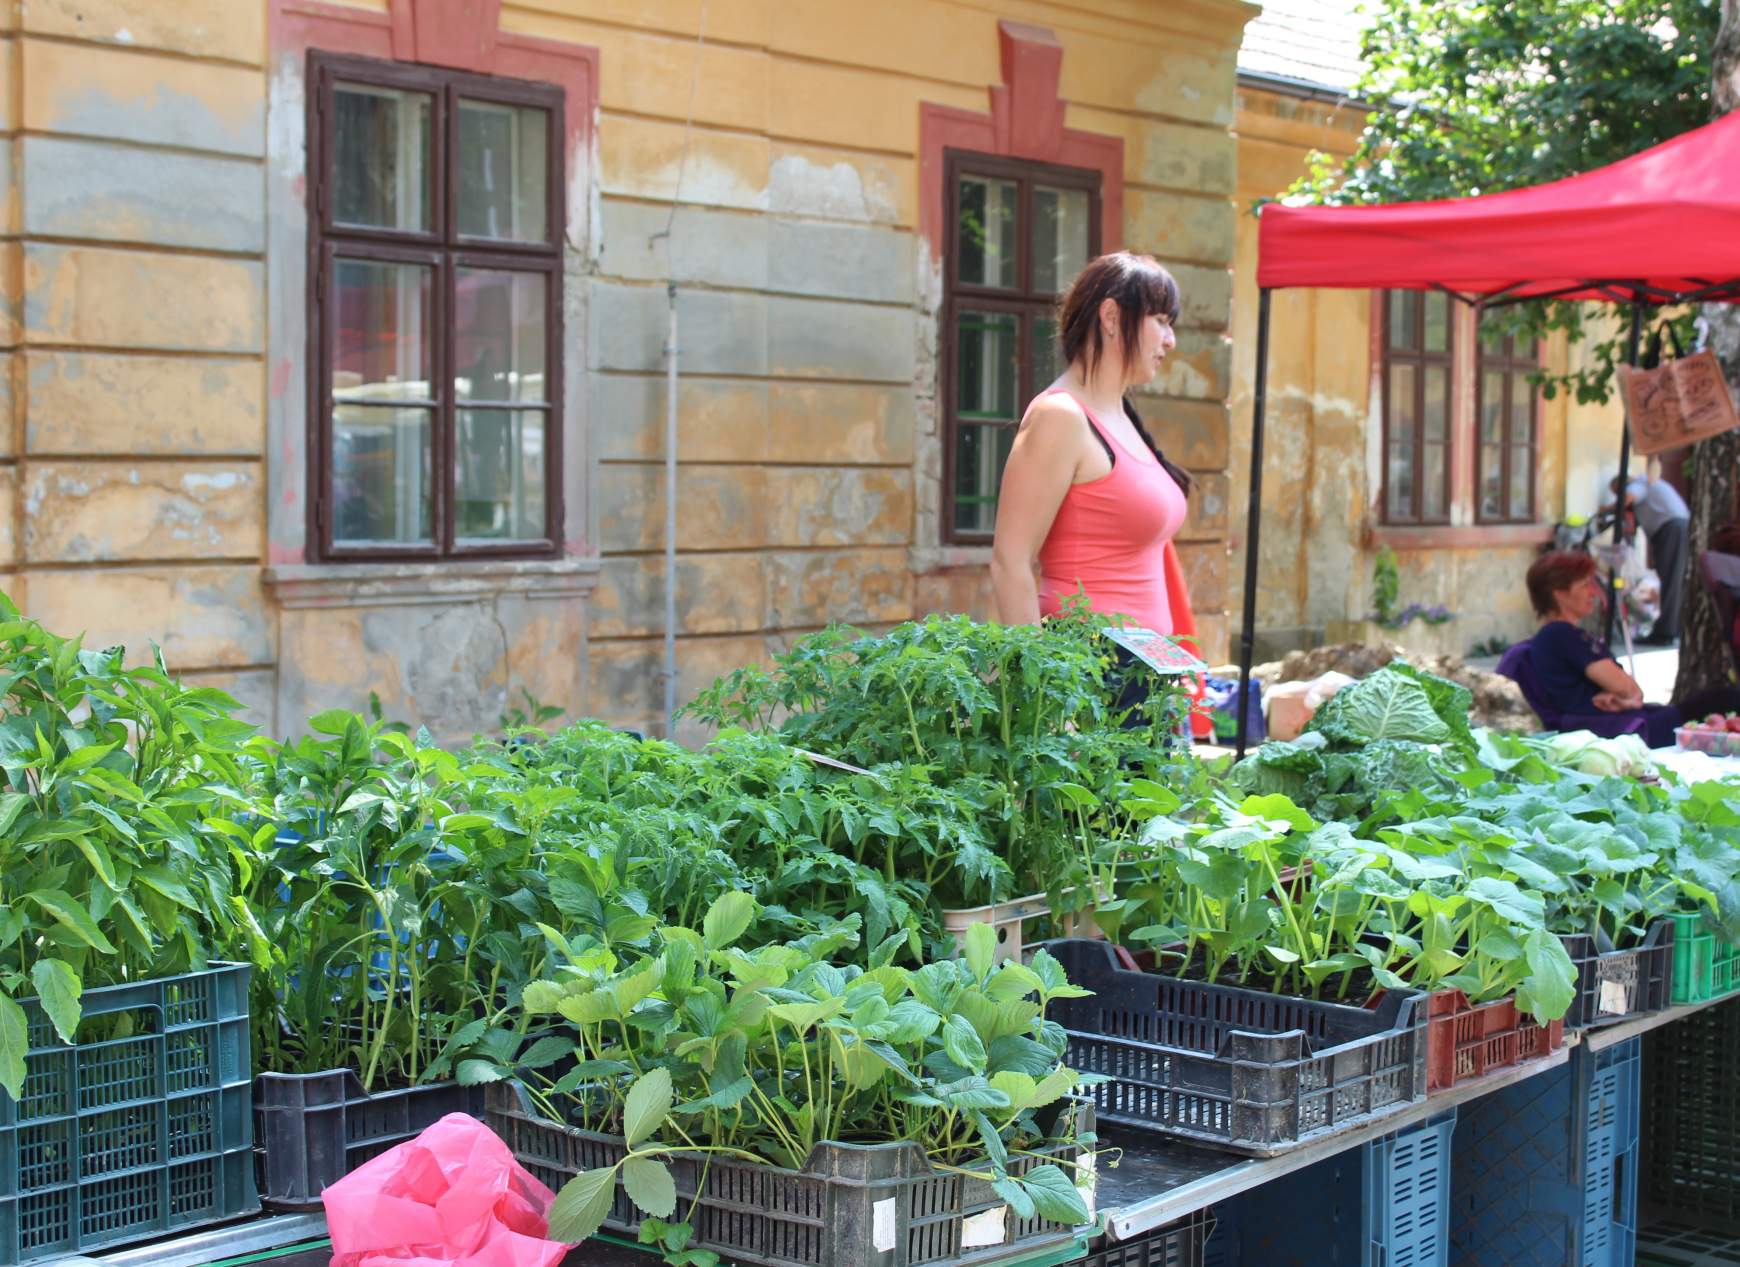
[{"x": 132, "y": 490}]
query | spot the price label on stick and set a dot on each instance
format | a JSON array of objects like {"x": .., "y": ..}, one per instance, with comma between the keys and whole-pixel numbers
[{"x": 1160, "y": 653}]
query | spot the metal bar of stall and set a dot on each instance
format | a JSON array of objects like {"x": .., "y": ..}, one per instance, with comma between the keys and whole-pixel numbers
[
  {"x": 1624, "y": 471},
  {"x": 1253, "y": 520}
]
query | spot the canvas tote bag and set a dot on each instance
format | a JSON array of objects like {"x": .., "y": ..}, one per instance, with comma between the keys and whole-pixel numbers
[{"x": 1680, "y": 401}]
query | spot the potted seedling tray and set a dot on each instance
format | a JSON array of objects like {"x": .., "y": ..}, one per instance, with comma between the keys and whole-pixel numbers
[
  {"x": 852, "y": 1205},
  {"x": 1236, "y": 1069},
  {"x": 1617, "y": 985},
  {"x": 1467, "y": 1040},
  {"x": 1706, "y": 966},
  {"x": 315, "y": 1128},
  {"x": 141, "y": 1128}
]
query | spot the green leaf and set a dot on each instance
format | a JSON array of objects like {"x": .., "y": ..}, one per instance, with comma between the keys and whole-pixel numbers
[
  {"x": 1054, "y": 1196},
  {"x": 58, "y": 988},
  {"x": 579, "y": 1208},
  {"x": 649, "y": 1185},
  {"x": 648, "y": 1104},
  {"x": 727, "y": 919},
  {"x": 1015, "y": 1196},
  {"x": 963, "y": 1045},
  {"x": 71, "y": 914},
  {"x": 472, "y": 1073},
  {"x": 979, "y": 948},
  {"x": 14, "y": 1042},
  {"x": 1552, "y": 980}
]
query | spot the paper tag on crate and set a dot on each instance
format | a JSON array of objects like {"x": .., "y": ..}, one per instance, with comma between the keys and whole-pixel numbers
[
  {"x": 1615, "y": 999},
  {"x": 882, "y": 1226},
  {"x": 988, "y": 1228},
  {"x": 1086, "y": 1179}
]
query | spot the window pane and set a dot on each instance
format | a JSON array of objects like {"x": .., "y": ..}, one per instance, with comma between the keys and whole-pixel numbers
[
  {"x": 1437, "y": 321},
  {"x": 1522, "y": 411},
  {"x": 502, "y": 171},
  {"x": 380, "y": 331},
  {"x": 1403, "y": 430},
  {"x": 988, "y": 362},
  {"x": 1404, "y": 307},
  {"x": 498, "y": 476},
  {"x": 1435, "y": 421},
  {"x": 380, "y": 475},
  {"x": 985, "y": 237},
  {"x": 380, "y": 162},
  {"x": 1399, "y": 483},
  {"x": 980, "y": 452},
  {"x": 1433, "y": 490},
  {"x": 1046, "y": 355},
  {"x": 499, "y": 338},
  {"x": 1492, "y": 407},
  {"x": 1491, "y": 481},
  {"x": 1060, "y": 236},
  {"x": 1521, "y": 468}
]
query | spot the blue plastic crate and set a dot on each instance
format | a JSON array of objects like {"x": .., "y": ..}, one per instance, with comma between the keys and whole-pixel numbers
[
  {"x": 143, "y": 1127},
  {"x": 1383, "y": 1204},
  {"x": 1545, "y": 1171}
]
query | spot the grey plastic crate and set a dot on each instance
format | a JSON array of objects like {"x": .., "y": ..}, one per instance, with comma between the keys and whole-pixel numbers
[
  {"x": 852, "y": 1205},
  {"x": 315, "y": 1128},
  {"x": 144, "y": 1129},
  {"x": 1241, "y": 1070}
]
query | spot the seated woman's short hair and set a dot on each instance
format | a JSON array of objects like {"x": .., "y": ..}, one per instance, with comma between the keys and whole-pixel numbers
[{"x": 1553, "y": 573}]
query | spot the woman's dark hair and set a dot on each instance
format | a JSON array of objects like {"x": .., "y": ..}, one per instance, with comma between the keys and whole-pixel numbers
[
  {"x": 1553, "y": 573},
  {"x": 1142, "y": 288},
  {"x": 1726, "y": 539}
]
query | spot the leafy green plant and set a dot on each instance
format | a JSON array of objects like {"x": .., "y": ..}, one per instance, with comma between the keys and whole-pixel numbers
[
  {"x": 1385, "y": 585},
  {"x": 121, "y": 836},
  {"x": 1019, "y": 724},
  {"x": 706, "y": 1047}
]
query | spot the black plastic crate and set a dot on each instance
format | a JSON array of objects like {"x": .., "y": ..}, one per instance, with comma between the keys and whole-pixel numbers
[
  {"x": 315, "y": 1128},
  {"x": 143, "y": 1128},
  {"x": 1667, "y": 1243},
  {"x": 1240, "y": 1070},
  {"x": 1621, "y": 984},
  {"x": 852, "y": 1205},
  {"x": 1179, "y": 1244},
  {"x": 1691, "y": 1151}
]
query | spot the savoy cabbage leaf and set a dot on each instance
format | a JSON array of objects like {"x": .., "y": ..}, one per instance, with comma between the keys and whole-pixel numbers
[{"x": 1387, "y": 705}]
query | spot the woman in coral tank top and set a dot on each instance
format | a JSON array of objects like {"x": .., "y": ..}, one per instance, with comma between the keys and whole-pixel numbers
[{"x": 1088, "y": 501}]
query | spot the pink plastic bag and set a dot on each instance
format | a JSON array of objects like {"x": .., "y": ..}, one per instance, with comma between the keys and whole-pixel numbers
[{"x": 452, "y": 1197}]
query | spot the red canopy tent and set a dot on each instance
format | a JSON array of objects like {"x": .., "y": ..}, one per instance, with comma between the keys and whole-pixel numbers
[{"x": 1660, "y": 227}]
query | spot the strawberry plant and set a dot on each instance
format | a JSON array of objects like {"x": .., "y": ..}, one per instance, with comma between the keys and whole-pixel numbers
[{"x": 707, "y": 1047}]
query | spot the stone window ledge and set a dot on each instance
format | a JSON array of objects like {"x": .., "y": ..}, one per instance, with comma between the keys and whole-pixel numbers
[
  {"x": 421, "y": 584},
  {"x": 1460, "y": 536},
  {"x": 924, "y": 560}
]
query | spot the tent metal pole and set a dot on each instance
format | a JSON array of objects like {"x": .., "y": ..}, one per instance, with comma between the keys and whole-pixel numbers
[
  {"x": 1253, "y": 519},
  {"x": 1624, "y": 472}
]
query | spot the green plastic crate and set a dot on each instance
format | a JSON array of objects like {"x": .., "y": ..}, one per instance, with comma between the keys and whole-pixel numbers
[
  {"x": 142, "y": 1128},
  {"x": 1705, "y": 966}
]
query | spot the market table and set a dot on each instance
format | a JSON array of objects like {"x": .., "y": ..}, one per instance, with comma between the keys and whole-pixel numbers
[{"x": 1156, "y": 1182}]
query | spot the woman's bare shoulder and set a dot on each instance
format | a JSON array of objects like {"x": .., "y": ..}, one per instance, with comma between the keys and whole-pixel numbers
[{"x": 1055, "y": 417}]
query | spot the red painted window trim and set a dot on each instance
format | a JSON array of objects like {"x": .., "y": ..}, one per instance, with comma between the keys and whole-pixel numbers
[{"x": 1025, "y": 121}]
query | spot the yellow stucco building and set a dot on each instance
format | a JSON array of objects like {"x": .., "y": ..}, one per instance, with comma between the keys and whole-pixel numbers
[{"x": 335, "y": 333}]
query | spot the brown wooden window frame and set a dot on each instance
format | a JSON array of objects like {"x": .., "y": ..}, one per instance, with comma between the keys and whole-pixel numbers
[
  {"x": 1418, "y": 357},
  {"x": 1515, "y": 368},
  {"x": 446, "y": 251},
  {"x": 1021, "y": 300}
]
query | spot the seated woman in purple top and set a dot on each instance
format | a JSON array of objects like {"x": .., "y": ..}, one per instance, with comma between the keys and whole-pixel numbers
[{"x": 1577, "y": 673}]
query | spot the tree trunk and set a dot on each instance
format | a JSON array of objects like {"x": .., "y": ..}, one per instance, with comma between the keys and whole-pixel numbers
[{"x": 1715, "y": 476}]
